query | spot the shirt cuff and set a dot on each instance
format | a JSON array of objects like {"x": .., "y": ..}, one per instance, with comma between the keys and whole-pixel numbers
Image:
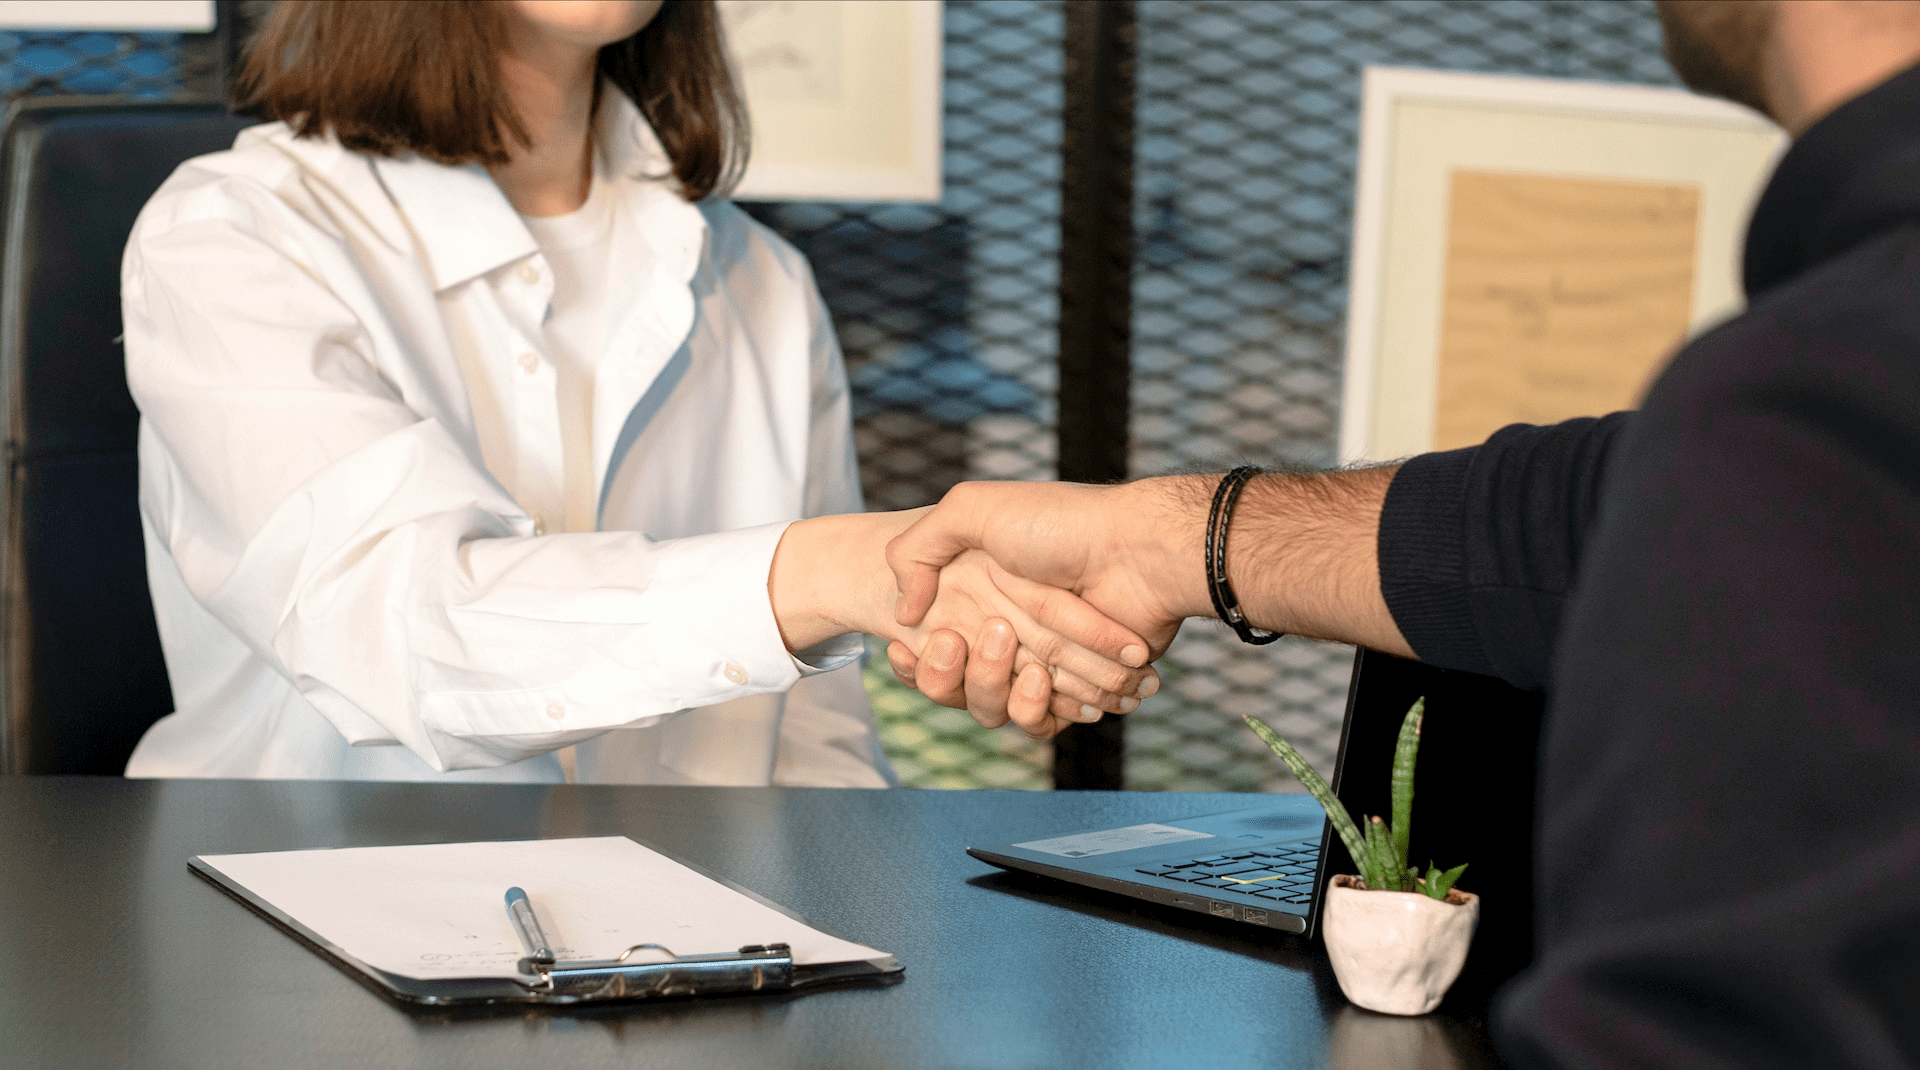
[
  {"x": 725, "y": 574},
  {"x": 1422, "y": 552},
  {"x": 836, "y": 653}
]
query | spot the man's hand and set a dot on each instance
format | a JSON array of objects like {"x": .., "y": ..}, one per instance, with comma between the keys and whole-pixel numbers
[
  {"x": 1301, "y": 554},
  {"x": 1119, "y": 548},
  {"x": 1132, "y": 551},
  {"x": 1040, "y": 656},
  {"x": 829, "y": 577}
]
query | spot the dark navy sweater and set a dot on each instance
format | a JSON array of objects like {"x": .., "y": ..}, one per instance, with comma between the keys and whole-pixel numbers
[{"x": 1720, "y": 595}]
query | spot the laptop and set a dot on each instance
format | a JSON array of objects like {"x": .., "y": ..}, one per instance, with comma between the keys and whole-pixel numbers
[
  {"x": 1259, "y": 865},
  {"x": 1265, "y": 864}
]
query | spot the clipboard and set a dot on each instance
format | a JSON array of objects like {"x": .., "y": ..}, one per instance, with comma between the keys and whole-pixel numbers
[{"x": 281, "y": 887}]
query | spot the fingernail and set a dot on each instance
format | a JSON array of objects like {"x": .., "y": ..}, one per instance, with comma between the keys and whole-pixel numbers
[
  {"x": 999, "y": 641},
  {"x": 1128, "y": 704},
  {"x": 1148, "y": 687},
  {"x": 1034, "y": 685},
  {"x": 1089, "y": 713},
  {"x": 1134, "y": 656},
  {"x": 944, "y": 654}
]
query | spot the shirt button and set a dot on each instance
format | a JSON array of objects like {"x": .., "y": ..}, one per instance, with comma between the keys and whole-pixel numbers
[
  {"x": 556, "y": 711},
  {"x": 735, "y": 673},
  {"x": 529, "y": 271},
  {"x": 529, "y": 363}
]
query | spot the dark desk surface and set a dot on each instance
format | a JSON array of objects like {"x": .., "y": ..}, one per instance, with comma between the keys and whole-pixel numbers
[{"x": 116, "y": 956}]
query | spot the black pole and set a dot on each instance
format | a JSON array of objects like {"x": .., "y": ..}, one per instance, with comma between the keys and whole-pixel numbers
[
  {"x": 231, "y": 34},
  {"x": 1096, "y": 261}
]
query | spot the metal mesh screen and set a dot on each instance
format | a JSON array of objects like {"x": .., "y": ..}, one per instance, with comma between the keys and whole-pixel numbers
[
  {"x": 1245, "y": 138},
  {"x": 1247, "y": 131},
  {"x": 142, "y": 65},
  {"x": 948, "y": 315}
]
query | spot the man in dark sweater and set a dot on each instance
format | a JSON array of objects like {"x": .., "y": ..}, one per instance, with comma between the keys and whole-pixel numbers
[{"x": 1720, "y": 594}]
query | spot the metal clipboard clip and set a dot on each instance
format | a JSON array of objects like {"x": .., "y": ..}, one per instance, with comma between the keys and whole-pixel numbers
[{"x": 753, "y": 968}]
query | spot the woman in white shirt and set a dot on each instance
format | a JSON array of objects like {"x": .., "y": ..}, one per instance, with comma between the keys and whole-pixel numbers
[{"x": 474, "y": 432}]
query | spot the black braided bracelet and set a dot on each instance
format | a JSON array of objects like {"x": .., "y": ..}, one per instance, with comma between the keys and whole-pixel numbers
[{"x": 1224, "y": 601}]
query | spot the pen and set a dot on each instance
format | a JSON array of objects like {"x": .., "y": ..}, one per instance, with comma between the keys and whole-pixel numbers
[{"x": 520, "y": 912}]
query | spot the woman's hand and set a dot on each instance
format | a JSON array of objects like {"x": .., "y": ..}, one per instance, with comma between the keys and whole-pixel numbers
[
  {"x": 1031, "y": 659},
  {"x": 830, "y": 577}
]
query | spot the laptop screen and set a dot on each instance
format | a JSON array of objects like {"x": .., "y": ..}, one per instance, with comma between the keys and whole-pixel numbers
[{"x": 1473, "y": 787}]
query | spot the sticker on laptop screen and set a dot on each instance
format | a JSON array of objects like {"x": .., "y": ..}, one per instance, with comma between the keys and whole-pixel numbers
[{"x": 1107, "y": 841}]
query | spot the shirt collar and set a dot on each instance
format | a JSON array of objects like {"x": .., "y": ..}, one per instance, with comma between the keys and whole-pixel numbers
[
  {"x": 1853, "y": 174},
  {"x": 627, "y": 145},
  {"x": 464, "y": 224}
]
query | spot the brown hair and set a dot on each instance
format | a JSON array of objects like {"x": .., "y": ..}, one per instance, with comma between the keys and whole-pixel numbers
[{"x": 424, "y": 76}]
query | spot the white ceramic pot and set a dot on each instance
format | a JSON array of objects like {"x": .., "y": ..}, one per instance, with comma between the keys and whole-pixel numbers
[{"x": 1396, "y": 952}]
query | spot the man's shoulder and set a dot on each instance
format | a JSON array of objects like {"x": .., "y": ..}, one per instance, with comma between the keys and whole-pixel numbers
[
  {"x": 1851, "y": 319},
  {"x": 1864, "y": 295}
]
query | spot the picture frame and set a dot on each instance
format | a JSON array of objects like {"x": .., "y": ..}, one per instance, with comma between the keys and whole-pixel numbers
[
  {"x": 1531, "y": 249},
  {"x": 182, "y": 16},
  {"x": 844, "y": 97}
]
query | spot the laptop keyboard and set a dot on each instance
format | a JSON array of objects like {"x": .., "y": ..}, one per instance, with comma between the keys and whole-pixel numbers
[{"x": 1278, "y": 874}]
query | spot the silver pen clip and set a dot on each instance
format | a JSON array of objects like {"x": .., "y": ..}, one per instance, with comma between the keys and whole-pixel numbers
[{"x": 750, "y": 969}]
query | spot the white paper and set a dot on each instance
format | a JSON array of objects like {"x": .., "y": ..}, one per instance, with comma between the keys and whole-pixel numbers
[
  {"x": 439, "y": 910},
  {"x": 1107, "y": 841}
]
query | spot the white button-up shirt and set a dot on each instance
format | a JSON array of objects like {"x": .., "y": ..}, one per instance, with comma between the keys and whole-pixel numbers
[{"x": 348, "y": 415}]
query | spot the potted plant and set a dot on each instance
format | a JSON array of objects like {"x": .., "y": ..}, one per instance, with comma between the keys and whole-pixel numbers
[{"x": 1397, "y": 939}]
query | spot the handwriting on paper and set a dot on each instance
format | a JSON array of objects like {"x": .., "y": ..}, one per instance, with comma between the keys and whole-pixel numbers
[{"x": 1563, "y": 296}]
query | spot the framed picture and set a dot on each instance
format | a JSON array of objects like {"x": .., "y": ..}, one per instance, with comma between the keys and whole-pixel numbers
[
  {"x": 844, "y": 97},
  {"x": 1528, "y": 249},
  {"x": 185, "y": 16}
]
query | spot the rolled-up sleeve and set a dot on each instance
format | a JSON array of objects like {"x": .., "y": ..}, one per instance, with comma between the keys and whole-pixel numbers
[{"x": 1479, "y": 548}]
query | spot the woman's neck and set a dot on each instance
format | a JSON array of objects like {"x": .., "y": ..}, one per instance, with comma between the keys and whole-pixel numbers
[{"x": 551, "y": 86}]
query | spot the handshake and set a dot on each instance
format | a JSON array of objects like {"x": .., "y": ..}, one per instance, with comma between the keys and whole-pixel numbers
[{"x": 1044, "y": 603}]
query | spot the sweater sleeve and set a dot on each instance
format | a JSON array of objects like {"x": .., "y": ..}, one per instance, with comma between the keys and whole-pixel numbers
[{"x": 1479, "y": 547}]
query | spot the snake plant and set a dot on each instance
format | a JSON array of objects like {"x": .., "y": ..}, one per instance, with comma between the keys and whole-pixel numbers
[{"x": 1381, "y": 853}]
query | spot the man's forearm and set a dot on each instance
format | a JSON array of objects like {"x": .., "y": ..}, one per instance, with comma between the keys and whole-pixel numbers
[{"x": 1302, "y": 551}]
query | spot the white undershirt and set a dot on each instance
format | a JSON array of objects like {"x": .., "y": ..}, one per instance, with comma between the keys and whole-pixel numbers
[{"x": 579, "y": 248}]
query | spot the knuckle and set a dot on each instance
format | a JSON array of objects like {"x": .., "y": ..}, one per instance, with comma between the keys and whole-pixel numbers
[
  {"x": 1077, "y": 689},
  {"x": 1049, "y": 648},
  {"x": 981, "y": 675},
  {"x": 1098, "y": 678},
  {"x": 956, "y": 496},
  {"x": 987, "y": 716}
]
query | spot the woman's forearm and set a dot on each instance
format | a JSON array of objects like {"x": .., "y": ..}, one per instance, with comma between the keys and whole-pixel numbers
[{"x": 829, "y": 577}]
